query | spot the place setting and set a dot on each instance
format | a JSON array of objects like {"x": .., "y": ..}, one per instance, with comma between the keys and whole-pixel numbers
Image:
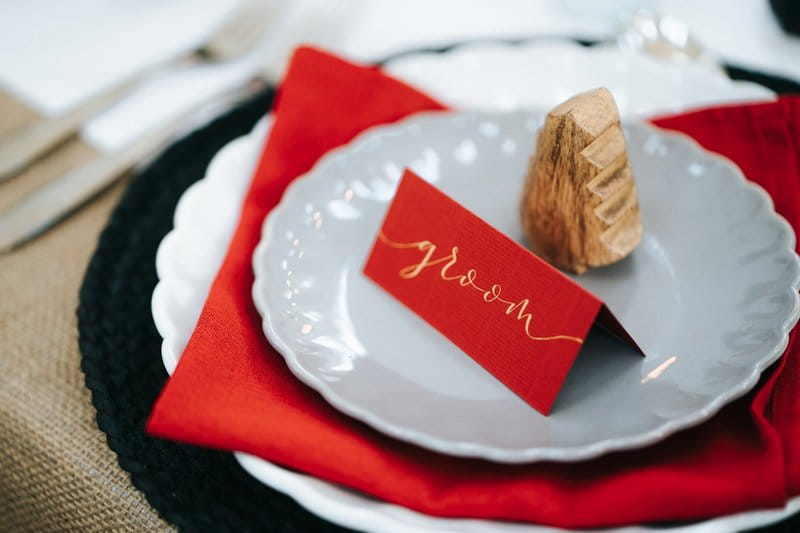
[
  {"x": 380, "y": 281},
  {"x": 319, "y": 361}
]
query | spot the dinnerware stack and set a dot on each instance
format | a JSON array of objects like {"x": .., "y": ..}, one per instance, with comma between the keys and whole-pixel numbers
[{"x": 710, "y": 295}]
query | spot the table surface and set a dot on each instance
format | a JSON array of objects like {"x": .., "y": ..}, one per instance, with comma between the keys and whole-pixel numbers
[{"x": 56, "y": 470}]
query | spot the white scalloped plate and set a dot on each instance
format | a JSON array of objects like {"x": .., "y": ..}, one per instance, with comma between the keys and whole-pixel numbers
[
  {"x": 543, "y": 73},
  {"x": 178, "y": 300},
  {"x": 710, "y": 295},
  {"x": 183, "y": 285}
]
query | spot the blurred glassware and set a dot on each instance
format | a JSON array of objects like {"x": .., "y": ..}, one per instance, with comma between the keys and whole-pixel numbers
[{"x": 663, "y": 37}]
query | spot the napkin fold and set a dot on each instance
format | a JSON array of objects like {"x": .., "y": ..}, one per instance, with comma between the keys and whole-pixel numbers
[{"x": 232, "y": 391}]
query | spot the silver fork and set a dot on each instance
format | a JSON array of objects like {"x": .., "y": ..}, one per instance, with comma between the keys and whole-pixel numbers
[
  {"x": 317, "y": 20},
  {"x": 232, "y": 39}
]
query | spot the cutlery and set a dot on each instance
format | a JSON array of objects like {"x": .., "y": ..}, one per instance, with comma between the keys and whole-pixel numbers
[
  {"x": 319, "y": 20},
  {"x": 232, "y": 39}
]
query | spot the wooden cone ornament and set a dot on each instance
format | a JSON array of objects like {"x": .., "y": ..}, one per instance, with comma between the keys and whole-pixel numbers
[{"x": 579, "y": 206}]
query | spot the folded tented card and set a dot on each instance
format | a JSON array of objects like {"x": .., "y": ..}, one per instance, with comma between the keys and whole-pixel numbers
[{"x": 518, "y": 317}]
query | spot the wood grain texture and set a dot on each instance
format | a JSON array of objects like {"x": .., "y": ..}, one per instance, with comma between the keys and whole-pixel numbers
[{"x": 579, "y": 207}]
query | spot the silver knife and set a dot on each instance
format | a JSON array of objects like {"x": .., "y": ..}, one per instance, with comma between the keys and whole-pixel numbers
[
  {"x": 319, "y": 20},
  {"x": 234, "y": 37}
]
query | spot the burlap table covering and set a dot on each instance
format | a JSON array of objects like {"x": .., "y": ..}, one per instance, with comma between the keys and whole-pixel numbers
[{"x": 56, "y": 471}]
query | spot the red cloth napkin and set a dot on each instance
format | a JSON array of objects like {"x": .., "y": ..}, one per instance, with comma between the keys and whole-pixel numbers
[{"x": 232, "y": 391}]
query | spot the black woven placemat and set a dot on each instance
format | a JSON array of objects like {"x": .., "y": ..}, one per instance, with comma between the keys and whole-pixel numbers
[{"x": 193, "y": 488}]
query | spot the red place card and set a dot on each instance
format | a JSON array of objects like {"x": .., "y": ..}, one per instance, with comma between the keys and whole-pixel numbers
[{"x": 517, "y": 316}]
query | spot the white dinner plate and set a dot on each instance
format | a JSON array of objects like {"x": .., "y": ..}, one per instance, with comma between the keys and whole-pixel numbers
[
  {"x": 542, "y": 74},
  {"x": 190, "y": 255},
  {"x": 710, "y": 295}
]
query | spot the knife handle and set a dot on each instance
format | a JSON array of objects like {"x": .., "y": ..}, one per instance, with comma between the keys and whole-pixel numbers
[
  {"x": 47, "y": 205},
  {"x": 23, "y": 146}
]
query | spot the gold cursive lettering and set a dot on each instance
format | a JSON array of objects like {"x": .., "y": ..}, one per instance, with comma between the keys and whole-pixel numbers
[{"x": 468, "y": 279}]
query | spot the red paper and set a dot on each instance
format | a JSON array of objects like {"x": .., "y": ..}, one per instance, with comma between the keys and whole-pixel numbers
[
  {"x": 232, "y": 391},
  {"x": 517, "y": 316}
]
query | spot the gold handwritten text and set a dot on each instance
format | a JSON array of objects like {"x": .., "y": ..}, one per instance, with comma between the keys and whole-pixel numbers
[{"x": 468, "y": 279}]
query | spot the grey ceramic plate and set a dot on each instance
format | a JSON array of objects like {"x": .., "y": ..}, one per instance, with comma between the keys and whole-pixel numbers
[{"x": 710, "y": 294}]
